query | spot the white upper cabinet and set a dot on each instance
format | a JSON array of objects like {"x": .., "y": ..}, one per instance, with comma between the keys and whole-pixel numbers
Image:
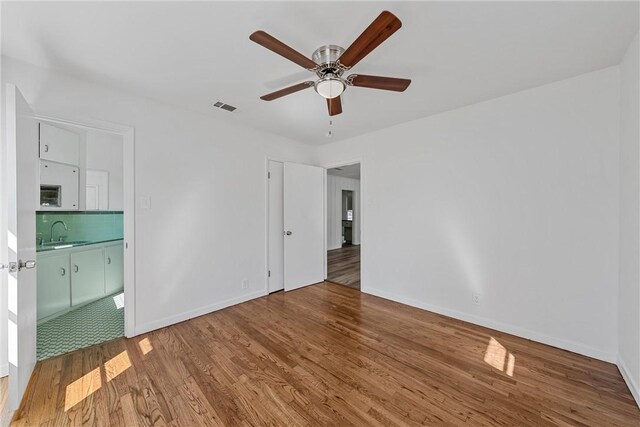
[
  {"x": 58, "y": 186},
  {"x": 59, "y": 145}
]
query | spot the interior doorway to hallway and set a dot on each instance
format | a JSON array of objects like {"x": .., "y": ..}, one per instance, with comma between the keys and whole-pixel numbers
[{"x": 343, "y": 225}]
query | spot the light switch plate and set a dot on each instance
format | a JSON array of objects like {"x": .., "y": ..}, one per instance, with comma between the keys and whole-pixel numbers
[{"x": 145, "y": 202}]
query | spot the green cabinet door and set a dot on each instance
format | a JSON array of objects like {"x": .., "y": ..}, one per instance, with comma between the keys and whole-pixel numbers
[
  {"x": 53, "y": 289},
  {"x": 87, "y": 276}
]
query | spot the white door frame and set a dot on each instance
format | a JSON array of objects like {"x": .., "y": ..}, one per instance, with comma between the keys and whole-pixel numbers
[
  {"x": 326, "y": 218},
  {"x": 128, "y": 189}
]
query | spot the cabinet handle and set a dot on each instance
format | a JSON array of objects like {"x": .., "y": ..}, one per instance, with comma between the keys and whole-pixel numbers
[
  {"x": 46, "y": 148},
  {"x": 63, "y": 271},
  {"x": 75, "y": 268},
  {"x": 108, "y": 260}
]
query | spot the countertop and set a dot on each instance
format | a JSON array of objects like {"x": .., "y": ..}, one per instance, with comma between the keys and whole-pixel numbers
[{"x": 69, "y": 245}]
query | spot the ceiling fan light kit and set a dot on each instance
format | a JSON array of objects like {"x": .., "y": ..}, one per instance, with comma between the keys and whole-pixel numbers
[
  {"x": 330, "y": 62},
  {"x": 330, "y": 86}
]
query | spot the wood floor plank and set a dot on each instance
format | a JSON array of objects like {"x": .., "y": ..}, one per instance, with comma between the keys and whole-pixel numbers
[
  {"x": 325, "y": 355},
  {"x": 343, "y": 266}
]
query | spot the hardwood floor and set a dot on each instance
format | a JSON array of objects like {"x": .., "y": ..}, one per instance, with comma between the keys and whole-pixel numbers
[
  {"x": 343, "y": 266},
  {"x": 325, "y": 355},
  {"x": 4, "y": 410}
]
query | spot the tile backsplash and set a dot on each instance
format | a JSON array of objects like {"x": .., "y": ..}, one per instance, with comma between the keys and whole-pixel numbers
[{"x": 83, "y": 225}]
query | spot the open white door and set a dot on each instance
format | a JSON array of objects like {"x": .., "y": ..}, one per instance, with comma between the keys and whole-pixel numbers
[
  {"x": 303, "y": 225},
  {"x": 19, "y": 201}
]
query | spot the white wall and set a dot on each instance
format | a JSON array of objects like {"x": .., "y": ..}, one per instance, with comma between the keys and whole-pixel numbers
[
  {"x": 515, "y": 198},
  {"x": 335, "y": 185},
  {"x": 629, "y": 296},
  {"x": 205, "y": 231},
  {"x": 104, "y": 152}
]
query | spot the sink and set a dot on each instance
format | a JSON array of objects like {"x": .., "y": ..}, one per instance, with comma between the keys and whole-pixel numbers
[{"x": 66, "y": 244}]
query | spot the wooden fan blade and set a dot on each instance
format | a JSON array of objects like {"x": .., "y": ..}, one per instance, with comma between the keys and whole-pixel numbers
[
  {"x": 334, "y": 105},
  {"x": 282, "y": 49},
  {"x": 377, "y": 82},
  {"x": 379, "y": 30},
  {"x": 286, "y": 91}
]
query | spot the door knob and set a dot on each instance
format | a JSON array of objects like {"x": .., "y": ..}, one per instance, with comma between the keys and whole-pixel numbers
[
  {"x": 12, "y": 267},
  {"x": 288, "y": 233}
]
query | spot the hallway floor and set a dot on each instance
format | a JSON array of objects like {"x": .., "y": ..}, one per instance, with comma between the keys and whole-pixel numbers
[
  {"x": 94, "y": 323},
  {"x": 343, "y": 266}
]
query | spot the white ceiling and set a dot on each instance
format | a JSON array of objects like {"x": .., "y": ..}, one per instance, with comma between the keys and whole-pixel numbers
[
  {"x": 349, "y": 171},
  {"x": 192, "y": 54}
]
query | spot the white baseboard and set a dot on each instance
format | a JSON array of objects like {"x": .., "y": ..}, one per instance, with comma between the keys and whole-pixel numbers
[
  {"x": 171, "y": 320},
  {"x": 499, "y": 326},
  {"x": 4, "y": 370},
  {"x": 633, "y": 386}
]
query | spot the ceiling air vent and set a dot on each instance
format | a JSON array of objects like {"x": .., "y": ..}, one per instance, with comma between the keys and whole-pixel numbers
[{"x": 224, "y": 106}]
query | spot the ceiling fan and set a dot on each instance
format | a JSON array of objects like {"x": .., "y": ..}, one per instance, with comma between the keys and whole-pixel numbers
[{"x": 330, "y": 62}]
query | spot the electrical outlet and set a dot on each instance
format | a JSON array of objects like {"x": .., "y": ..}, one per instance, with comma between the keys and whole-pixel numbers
[
  {"x": 475, "y": 298},
  {"x": 245, "y": 284}
]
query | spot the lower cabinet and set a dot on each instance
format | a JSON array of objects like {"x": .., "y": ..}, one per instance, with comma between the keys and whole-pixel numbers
[
  {"x": 113, "y": 268},
  {"x": 75, "y": 276},
  {"x": 54, "y": 285},
  {"x": 87, "y": 275}
]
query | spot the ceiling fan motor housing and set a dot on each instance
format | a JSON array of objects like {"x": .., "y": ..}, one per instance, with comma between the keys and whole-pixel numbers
[{"x": 327, "y": 59}]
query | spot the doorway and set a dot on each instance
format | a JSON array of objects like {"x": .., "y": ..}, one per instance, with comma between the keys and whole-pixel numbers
[
  {"x": 79, "y": 239},
  {"x": 344, "y": 225},
  {"x": 20, "y": 173}
]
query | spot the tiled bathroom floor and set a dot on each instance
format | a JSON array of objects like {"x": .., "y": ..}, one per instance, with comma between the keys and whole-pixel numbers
[{"x": 91, "y": 324}]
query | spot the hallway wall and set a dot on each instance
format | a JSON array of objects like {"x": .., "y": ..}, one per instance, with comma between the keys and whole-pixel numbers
[{"x": 335, "y": 185}]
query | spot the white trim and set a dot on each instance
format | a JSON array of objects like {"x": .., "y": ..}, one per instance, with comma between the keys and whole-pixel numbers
[
  {"x": 572, "y": 346},
  {"x": 171, "y": 320},
  {"x": 631, "y": 384},
  {"x": 4, "y": 370},
  {"x": 128, "y": 189},
  {"x": 267, "y": 199}
]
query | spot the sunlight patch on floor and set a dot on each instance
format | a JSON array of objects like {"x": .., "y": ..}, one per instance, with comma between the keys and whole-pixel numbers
[
  {"x": 497, "y": 356},
  {"x": 117, "y": 365},
  {"x": 145, "y": 346},
  {"x": 119, "y": 300},
  {"x": 82, "y": 388}
]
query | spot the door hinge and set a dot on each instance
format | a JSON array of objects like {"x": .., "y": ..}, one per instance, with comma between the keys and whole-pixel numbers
[
  {"x": 269, "y": 175},
  {"x": 269, "y": 273}
]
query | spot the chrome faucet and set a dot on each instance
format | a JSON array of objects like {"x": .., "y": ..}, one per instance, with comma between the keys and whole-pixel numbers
[{"x": 54, "y": 224}]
